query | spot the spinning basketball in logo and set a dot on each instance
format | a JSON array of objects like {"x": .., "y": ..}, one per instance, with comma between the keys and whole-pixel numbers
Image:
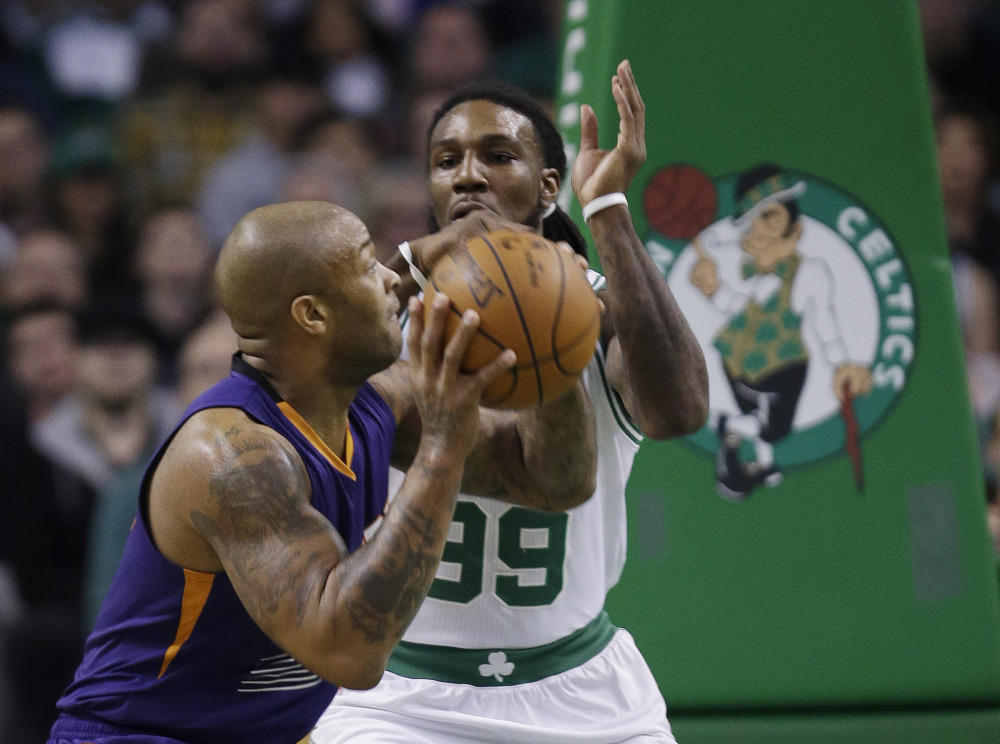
[
  {"x": 680, "y": 201},
  {"x": 531, "y": 297}
]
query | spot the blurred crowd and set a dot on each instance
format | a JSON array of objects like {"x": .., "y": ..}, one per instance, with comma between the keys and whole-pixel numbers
[
  {"x": 135, "y": 133},
  {"x": 962, "y": 47},
  {"x": 133, "y": 136}
]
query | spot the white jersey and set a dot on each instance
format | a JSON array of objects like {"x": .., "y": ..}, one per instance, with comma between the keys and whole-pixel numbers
[
  {"x": 512, "y": 644},
  {"x": 515, "y": 577}
]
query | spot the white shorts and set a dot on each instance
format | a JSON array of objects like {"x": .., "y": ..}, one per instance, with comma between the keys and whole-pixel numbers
[{"x": 610, "y": 699}]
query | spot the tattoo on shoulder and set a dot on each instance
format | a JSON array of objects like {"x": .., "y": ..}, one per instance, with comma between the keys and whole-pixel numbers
[{"x": 258, "y": 520}]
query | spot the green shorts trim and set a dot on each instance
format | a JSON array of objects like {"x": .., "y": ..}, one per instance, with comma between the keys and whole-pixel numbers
[{"x": 494, "y": 667}]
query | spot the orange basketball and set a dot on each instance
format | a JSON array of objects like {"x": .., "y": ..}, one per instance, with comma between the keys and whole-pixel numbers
[
  {"x": 531, "y": 297},
  {"x": 680, "y": 201}
]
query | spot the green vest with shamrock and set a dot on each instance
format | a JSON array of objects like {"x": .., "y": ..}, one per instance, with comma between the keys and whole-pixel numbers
[{"x": 764, "y": 338}]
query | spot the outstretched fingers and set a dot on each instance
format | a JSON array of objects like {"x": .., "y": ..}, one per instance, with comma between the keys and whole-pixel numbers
[
  {"x": 588, "y": 128},
  {"x": 631, "y": 109}
]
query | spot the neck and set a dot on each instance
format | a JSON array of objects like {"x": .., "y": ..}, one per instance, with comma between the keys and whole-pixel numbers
[{"x": 323, "y": 405}]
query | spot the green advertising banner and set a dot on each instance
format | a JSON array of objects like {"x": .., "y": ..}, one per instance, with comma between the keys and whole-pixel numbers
[{"x": 821, "y": 543}]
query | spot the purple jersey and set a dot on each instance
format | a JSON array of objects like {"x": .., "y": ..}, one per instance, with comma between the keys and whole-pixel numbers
[{"x": 173, "y": 652}]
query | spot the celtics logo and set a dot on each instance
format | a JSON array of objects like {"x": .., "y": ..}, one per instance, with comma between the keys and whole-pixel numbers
[{"x": 803, "y": 306}]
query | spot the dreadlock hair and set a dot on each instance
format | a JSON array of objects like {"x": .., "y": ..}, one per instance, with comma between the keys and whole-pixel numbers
[{"x": 556, "y": 224}]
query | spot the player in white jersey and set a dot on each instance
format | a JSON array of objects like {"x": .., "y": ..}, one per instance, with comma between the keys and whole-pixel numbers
[{"x": 512, "y": 643}]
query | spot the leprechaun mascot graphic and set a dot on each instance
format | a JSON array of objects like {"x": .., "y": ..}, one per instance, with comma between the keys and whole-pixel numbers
[{"x": 766, "y": 303}]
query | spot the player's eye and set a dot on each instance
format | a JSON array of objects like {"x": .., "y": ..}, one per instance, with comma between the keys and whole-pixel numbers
[
  {"x": 446, "y": 161},
  {"x": 501, "y": 157}
]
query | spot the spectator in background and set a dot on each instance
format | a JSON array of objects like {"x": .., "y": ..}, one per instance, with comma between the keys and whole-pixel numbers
[
  {"x": 43, "y": 533},
  {"x": 47, "y": 266},
  {"x": 93, "y": 54},
  {"x": 205, "y": 359},
  {"x": 399, "y": 209},
  {"x": 321, "y": 177},
  {"x": 349, "y": 140},
  {"x": 41, "y": 355},
  {"x": 962, "y": 48},
  {"x": 115, "y": 415},
  {"x": 251, "y": 174},
  {"x": 417, "y": 121},
  {"x": 174, "y": 135},
  {"x": 344, "y": 46},
  {"x": 89, "y": 205},
  {"x": 172, "y": 268},
  {"x": 24, "y": 203},
  {"x": 965, "y": 157},
  {"x": 450, "y": 48}
]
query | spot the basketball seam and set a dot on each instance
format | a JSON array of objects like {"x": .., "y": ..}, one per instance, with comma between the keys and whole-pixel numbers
[
  {"x": 520, "y": 316},
  {"x": 555, "y": 320}
]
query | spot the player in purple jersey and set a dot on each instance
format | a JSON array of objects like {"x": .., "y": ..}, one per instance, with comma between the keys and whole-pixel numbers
[{"x": 247, "y": 592}]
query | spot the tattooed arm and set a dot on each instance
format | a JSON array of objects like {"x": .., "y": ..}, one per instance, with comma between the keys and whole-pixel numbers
[
  {"x": 232, "y": 495},
  {"x": 543, "y": 458}
]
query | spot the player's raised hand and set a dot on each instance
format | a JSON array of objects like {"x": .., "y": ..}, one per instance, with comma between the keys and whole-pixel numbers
[{"x": 596, "y": 171}]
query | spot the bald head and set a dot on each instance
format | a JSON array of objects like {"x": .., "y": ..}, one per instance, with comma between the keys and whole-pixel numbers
[{"x": 277, "y": 253}]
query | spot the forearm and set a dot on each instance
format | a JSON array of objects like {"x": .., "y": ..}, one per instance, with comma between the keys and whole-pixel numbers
[
  {"x": 377, "y": 590},
  {"x": 560, "y": 451},
  {"x": 662, "y": 376},
  {"x": 544, "y": 458}
]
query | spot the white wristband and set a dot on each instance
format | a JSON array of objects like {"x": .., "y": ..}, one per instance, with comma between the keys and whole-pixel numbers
[
  {"x": 418, "y": 277},
  {"x": 604, "y": 201}
]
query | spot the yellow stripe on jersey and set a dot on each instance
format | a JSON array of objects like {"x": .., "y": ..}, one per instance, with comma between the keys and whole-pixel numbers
[
  {"x": 309, "y": 433},
  {"x": 197, "y": 585}
]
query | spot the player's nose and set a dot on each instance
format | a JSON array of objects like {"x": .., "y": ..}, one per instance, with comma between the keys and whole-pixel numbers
[{"x": 469, "y": 175}]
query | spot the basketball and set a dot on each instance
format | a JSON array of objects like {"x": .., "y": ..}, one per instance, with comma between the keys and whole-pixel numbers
[
  {"x": 531, "y": 297},
  {"x": 680, "y": 201}
]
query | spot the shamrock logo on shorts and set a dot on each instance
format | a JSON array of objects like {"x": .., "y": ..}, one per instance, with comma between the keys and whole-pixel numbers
[{"x": 498, "y": 666}]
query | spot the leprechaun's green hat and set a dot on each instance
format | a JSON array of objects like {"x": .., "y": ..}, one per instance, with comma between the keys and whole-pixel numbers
[{"x": 762, "y": 185}]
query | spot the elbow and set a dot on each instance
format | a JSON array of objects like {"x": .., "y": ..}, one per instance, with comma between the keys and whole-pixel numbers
[
  {"x": 355, "y": 671},
  {"x": 575, "y": 484},
  {"x": 362, "y": 679},
  {"x": 693, "y": 412},
  {"x": 681, "y": 418},
  {"x": 575, "y": 494}
]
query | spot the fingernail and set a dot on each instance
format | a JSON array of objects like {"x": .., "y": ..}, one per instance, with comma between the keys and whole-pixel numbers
[{"x": 470, "y": 316}]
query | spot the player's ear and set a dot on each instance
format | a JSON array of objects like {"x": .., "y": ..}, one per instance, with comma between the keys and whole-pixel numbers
[
  {"x": 310, "y": 314},
  {"x": 550, "y": 185}
]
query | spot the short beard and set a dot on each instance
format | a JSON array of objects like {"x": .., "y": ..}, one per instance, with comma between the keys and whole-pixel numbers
[{"x": 535, "y": 218}]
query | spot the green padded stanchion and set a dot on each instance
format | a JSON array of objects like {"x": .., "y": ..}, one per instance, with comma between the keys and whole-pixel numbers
[{"x": 821, "y": 543}]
